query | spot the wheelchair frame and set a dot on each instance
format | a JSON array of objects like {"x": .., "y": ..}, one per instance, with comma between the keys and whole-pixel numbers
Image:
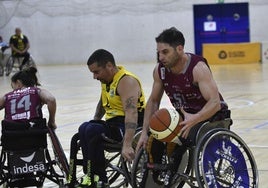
[
  {"x": 52, "y": 169},
  {"x": 15, "y": 62},
  {"x": 118, "y": 170},
  {"x": 220, "y": 159},
  {"x": 2, "y": 61}
]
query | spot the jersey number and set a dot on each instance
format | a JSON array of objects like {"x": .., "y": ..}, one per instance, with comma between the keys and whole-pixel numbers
[{"x": 23, "y": 103}]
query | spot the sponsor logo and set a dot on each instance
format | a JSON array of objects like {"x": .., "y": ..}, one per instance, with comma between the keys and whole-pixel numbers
[
  {"x": 33, "y": 162},
  {"x": 28, "y": 168},
  {"x": 222, "y": 55},
  {"x": 29, "y": 158}
]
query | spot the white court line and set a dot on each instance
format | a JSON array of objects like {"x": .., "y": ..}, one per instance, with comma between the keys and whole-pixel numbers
[
  {"x": 239, "y": 103},
  {"x": 257, "y": 146}
]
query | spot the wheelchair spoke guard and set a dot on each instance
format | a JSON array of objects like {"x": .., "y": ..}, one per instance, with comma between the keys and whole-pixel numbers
[{"x": 225, "y": 161}]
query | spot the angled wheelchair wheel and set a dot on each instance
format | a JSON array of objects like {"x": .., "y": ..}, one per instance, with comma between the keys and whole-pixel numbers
[
  {"x": 30, "y": 63},
  {"x": 1, "y": 69},
  {"x": 223, "y": 159},
  {"x": 59, "y": 155},
  {"x": 117, "y": 170},
  {"x": 182, "y": 175},
  {"x": 1, "y": 65},
  {"x": 139, "y": 173},
  {"x": 9, "y": 65}
]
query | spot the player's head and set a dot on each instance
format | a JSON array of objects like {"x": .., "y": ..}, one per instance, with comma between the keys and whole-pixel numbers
[
  {"x": 171, "y": 36},
  {"x": 101, "y": 57},
  {"x": 17, "y": 31},
  {"x": 26, "y": 77},
  {"x": 170, "y": 47},
  {"x": 102, "y": 64}
]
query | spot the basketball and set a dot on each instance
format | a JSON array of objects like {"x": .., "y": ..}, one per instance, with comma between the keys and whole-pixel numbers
[{"x": 164, "y": 125}]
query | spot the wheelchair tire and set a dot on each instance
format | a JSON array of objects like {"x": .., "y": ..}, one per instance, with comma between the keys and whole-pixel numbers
[
  {"x": 30, "y": 63},
  {"x": 185, "y": 168},
  {"x": 1, "y": 69},
  {"x": 223, "y": 159},
  {"x": 139, "y": 173},
  {"x": 9, "y": 65},
  {"x": 117, "y": 170},
  {"x": 61, "y": 159}
]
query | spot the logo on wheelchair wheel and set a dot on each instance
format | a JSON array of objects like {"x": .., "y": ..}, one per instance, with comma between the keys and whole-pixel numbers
[
  {"x": 27, "y": 162},
  {"x": 226, "y": 153},
  {"x": 221, "y": 167}
]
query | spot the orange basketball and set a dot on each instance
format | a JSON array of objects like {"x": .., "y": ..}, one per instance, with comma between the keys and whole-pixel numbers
[{"x": 164, "y": 125}]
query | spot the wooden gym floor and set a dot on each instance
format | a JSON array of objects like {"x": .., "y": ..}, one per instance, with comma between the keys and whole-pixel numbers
[{"x": 243, "y": 86}]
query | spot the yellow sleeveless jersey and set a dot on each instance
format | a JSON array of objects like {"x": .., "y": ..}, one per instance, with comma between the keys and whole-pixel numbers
[{"x": 111, "y": 101}]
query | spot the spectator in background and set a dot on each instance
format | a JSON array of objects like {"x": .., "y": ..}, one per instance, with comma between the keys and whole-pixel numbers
[
  {"x": 19, "y": 44},
  {"x": 3, "y": 45}
]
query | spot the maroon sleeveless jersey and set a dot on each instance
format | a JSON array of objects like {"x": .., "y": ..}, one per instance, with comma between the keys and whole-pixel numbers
[
  {"x": 180, "y": 88},
  {"x": 23, "y": 104}
]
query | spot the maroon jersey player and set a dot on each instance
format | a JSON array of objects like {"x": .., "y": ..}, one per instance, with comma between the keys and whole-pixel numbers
[{"x": 25, "y": 102}]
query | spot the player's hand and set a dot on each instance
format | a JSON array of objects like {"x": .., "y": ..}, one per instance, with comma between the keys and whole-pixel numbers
[
  {"x": 128, "y": 153},
  {"x": 189, "y": 121},
  {"x": 142, "y": 141},
  {"x": 52, "y": 125}
]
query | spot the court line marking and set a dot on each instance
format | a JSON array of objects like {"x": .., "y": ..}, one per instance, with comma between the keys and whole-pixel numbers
[{"x": 259, "y": 126}]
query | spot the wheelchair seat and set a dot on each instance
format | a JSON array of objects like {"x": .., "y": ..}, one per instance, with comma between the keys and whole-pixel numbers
[{"x": 25, "y": 160}]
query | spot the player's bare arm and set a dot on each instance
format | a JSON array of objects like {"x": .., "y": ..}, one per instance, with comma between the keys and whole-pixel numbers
[
  {"x": 48, "y": 99},
  {"x": 129, "y": 91},
  {"x": 151, "y": 106},
  {"x": 99, "y": 113},
  {"x": 204, "y": 79}
]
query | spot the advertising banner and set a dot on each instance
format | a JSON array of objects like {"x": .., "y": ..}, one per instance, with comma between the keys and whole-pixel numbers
[{"x": 232, "y": 53}]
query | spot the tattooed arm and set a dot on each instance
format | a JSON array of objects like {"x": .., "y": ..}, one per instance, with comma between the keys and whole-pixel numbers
[
  {"x": 99, "y": 113},
  {"x": 129, "y": 91}
]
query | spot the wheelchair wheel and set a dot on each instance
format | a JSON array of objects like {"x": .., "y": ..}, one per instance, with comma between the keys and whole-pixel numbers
[
  {"x": 223, "y": 159},
  {"x": 30, "y": 63},
  {"x": 140, "y": 171},
  {"x": 9, "y": 65},
  {"x": 117, "y": 170},
  {"x": 1, "y": 69},
  {"x": 2, "y": 64},
  {"x": 184, "y": 169},
  {"x": 60, "y": 157}
]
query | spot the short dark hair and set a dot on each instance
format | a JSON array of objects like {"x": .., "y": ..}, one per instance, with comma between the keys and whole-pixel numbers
[
  {"x": 171, "y": 36},
  {"x": 101, "y": 57}
]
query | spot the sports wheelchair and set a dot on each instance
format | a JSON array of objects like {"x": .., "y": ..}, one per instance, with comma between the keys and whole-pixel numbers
[
  {"x": 13, "y": 63},
  {"x": 220, "y": 158},
  {"x": 118, "y": 170},
  {"x": 3, "y": 57},
  {"x": 25, "y": 158}
]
